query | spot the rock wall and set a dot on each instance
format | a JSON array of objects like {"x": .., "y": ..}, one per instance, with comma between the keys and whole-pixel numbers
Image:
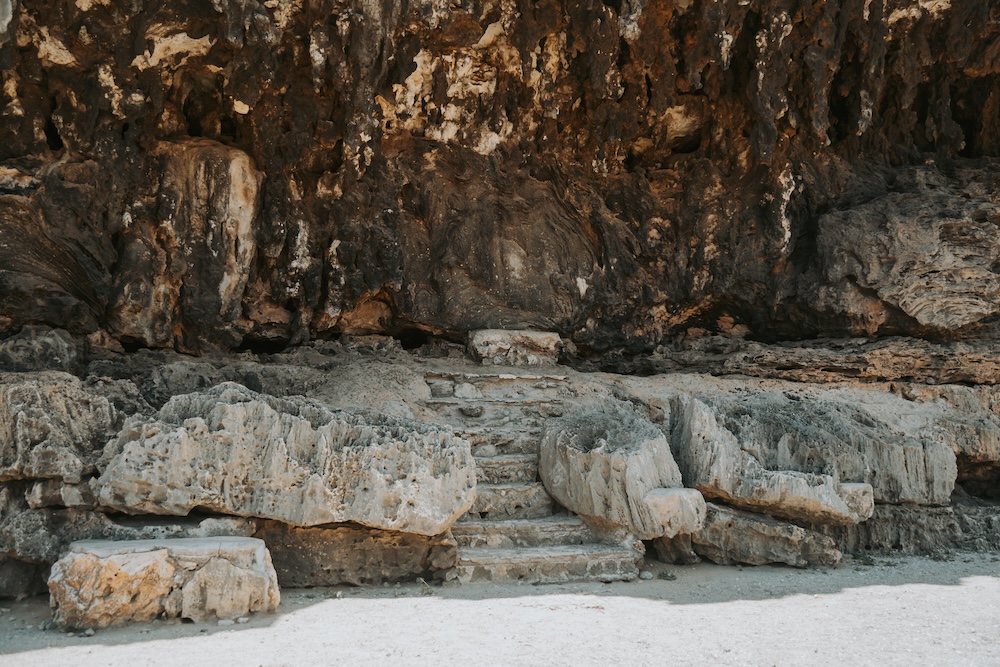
[
  {"x": 252, "y": 173},
  {"x": 215, "y": 215}
]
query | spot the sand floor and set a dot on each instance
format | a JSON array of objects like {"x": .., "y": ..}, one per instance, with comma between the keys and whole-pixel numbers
[{"x": 886, "y": 611}]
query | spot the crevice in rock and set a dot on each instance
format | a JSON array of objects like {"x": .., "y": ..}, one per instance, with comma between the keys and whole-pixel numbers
[{"x": 52, "y": 136}]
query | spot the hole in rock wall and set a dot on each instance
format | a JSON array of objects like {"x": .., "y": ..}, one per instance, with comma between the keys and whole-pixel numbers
[
  {"x": 52, "y": 137},
  {"x": 263, "y": 346},
  {"x": 412, "y": 338}
]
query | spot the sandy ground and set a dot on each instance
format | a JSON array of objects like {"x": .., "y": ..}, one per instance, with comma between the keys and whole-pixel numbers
[{"x": 886, "y": 611}]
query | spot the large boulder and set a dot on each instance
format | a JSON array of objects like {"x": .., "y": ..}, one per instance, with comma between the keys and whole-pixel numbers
[
  {"x": 234, "y": 451},
  {"x": 350, "y": 554},
  {"x": 770, "y": 433},
  {"x": 36, "y": 348},
  {"x": 51, "y": 425},
  {"x": 734, "y": 536},
  {"x": 904, "y": 450},
  {"x": 100, "y": 584},
  {"x": 613, "y": 466},
  {"x": 716, "y": 462}
]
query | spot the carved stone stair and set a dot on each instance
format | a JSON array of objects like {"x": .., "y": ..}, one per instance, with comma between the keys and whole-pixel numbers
[{"x": 515, "y": 531}]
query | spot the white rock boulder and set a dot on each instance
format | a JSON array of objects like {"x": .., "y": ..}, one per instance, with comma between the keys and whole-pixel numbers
[
  {"x": 103, "y": 583},
  {"x": 613, "y": 466},
  {"x": 234, "y": 451},
  {"x": 713, "y": 461}
]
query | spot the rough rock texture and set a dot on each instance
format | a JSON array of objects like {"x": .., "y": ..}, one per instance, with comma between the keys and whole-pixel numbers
[
  {"x": 52, "y": 426},
  {"x": 922, "y": 530},
  {"x": 714, "y": 461},
  {"x": 610, "y": 465},
  {"x": 347, "y": 554},
  {"x": 677, "y": 550},
  {"x": 895, "y": 445},
  {"x": 515, "y": 348},
  {"x": 100, "y": 584},
  {"x": 234, "y": 451},
  {"x": 734, "y": 536},
  {"x": 43, "y": 535},
  {"x": 37, "y": 348},
  {"x": 258, "y": 172},
  {"x": 18, "y": 577}
]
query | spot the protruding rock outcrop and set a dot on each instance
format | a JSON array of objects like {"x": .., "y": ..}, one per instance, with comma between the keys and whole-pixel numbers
[
  {"x": 51, "y": 426},
  {"x": 713, "y": 461},
  {"x": 99, "y": 584},
  {"x": 238, "y": 452},
  {"x": 610, "y": 465}
]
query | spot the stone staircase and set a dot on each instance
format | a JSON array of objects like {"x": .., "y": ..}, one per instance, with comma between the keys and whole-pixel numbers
[{"x": 516, "y": 531}]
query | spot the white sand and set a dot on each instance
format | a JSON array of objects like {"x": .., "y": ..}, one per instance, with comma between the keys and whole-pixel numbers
[{"x": 905, "y": 611}]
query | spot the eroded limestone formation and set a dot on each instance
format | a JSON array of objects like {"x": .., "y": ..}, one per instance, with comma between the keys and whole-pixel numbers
[
  {"x": 608, "y": 464},
  {"x": 234, "y": 451},
  {"x": 247, "y": 251}
]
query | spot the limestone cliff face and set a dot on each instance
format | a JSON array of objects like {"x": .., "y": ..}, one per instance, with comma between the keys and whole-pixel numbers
[{"x": 221, "y": 174}]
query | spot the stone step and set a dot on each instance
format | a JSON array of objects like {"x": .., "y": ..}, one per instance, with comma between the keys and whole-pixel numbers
[
  {"x": 516, "y": 500},
  {"x": 507, "y": 468},
  {"x": 547, "y": 565},
  {"x": 494, "y": 413},
  {"x": 496, "y": 385},
  {"x": 488, "y": 442},
  {"x": 556, "y": 530}
]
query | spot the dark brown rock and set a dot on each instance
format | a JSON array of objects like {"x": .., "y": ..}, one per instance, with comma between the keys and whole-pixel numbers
[
  {"x": 350, "y": 554},
  {"x": 242, "y": 174}
]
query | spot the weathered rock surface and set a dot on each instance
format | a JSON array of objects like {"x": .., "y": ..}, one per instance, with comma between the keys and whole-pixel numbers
[
  {"x": 100, "y": 583},
  {"x": 52, "y": 426},
  {"x": 905, "y": 449},
  {"x": 36, "y": 348},
  {"x": 896, "y": 446},
  {"x": 925, "y": 251},
  {"x": 18, "y": 577},
  {"x": 735, "y": 536},
  {"x": 677, "y": 550},
  {"x": 615, "y": 173},
  {"x": 348, "y": 554},
  {"x": 610, "y": 465},
  {"x": 44, "y": 535},
  {"x": 515, "y": 348},
  {"x": 55, "y": 493},
  {"x": 858, "y": 360},
  {"x": 714, "y": 461},
  {"x": 907, "y": 529},
  {"x": 235, "y": 451},
  {"x": 182, "y": 261}
]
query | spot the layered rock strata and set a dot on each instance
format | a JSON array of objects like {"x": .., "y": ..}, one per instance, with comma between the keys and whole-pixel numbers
[{"x": 350, "y": 554}]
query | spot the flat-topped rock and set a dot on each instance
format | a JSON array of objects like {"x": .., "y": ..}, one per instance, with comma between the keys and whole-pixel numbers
[
  {"x": 103, "y": 583},
  {"x": 239, "y": 452},
  {"x": 515, "y": 347}
]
